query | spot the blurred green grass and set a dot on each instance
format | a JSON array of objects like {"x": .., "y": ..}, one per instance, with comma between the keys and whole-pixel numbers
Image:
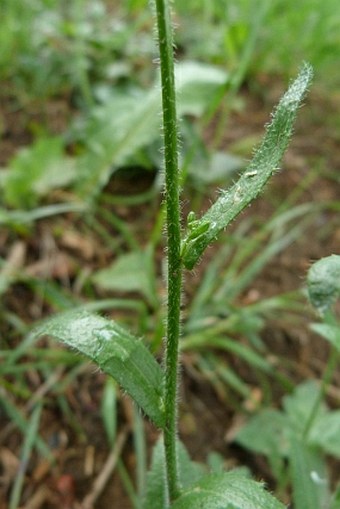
[
  {"x": 50, "y": 47},
  {"x": 288, "y": 34}
]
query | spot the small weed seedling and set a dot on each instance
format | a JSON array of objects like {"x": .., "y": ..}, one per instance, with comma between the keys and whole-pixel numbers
[{"x": 118, "y": 353}]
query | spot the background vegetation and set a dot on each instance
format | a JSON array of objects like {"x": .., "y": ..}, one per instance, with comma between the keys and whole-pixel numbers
[{"x": 81, "y": 225}]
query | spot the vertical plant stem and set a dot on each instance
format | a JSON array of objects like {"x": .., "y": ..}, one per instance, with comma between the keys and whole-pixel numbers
[
  {"x": 173, "y": 241},
  {"x": 331, "y": 365}
]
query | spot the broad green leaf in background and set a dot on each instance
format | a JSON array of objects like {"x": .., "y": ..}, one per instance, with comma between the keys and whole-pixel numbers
[
  {"x": 117, "y": 352},
  {"x": 198, "y": 162},
  {"x": 266, "y": 433},
  {"x": 196, "y": 84},
  {"x": 323, "y": 282},
  {"x": 35, "y": 171},
  {"x": 130, "y": 120},
  {"x": 113, "y": 133},
  {"x": 325, "y": 433},
  {"x": 273, "y": 433},
  {"x": 131, "y": 272},
  {"x": 309, "y": 476},
  {"x": 221, "y": 167},
  {"x": 279, "y": 426},
  {"x": 329, "y": 332},
  {"x": 299, "y": 405},
  {"x": 265, "y": 163},
  {"x": 226, "y": 491}
]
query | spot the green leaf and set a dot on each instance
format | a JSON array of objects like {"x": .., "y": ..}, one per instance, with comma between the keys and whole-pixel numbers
[
  {"x": 189, "y": 472},
  {"x": 226, "y": 491},
  {"x": 309, "y": 476},
  {"x": 196, "y": 83},
  {"x": 299, "y": 405},
  {"x": 156, "y": 493},
  {"x": 219, "y": 167},
  {"x": 264, "y": 164},
  {"x": 113, "y": 133},
  {"x": 117, "y": 352},
  {"x": 323, "y": 281},
  {"x": 325, "y": 433},
  {"x": 330, "y": 332},
  {"x": 130, "y": 120},
  {"x": 34, "y": 171},
  {"x": 266, "y": 433},
  {"x": 131, "y": 272}
]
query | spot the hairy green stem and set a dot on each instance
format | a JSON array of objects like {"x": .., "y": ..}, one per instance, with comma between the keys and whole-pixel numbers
[{"x": 173, "y": 241}]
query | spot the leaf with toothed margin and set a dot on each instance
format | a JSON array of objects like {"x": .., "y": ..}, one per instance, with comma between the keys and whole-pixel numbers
[
  {"x": 117, "y": 352},
  {"x": 264, "y": 164}
]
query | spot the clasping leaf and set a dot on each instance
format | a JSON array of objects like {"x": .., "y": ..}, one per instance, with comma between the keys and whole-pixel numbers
[
  {"x": 117, "y": 352},
  {"x": 226, "y": 491},
  {"x": 265, "y": 162}
]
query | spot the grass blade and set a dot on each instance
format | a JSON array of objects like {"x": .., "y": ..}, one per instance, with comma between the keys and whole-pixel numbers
[
  {"x": 30, "y": 439},
  {"x": 21, "y": 423}
]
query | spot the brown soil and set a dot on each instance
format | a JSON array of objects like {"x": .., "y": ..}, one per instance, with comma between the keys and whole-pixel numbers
[{"x": 53, "y": 250}]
